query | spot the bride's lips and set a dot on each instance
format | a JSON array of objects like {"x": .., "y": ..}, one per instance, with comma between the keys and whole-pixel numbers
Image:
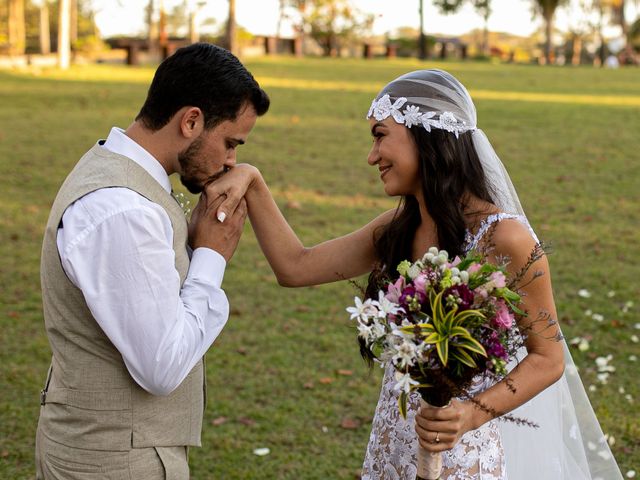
[{"x": 384, "y": 170}]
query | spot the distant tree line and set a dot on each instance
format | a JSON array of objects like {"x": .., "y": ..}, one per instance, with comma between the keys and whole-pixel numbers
[{"x": 30, "y": 26}]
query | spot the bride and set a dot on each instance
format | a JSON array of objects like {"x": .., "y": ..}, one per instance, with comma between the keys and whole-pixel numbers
[{"x": 455, "y": 195}]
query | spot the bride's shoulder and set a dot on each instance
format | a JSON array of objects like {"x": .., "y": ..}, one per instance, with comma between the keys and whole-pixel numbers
[{"x": 512, "y": 237}]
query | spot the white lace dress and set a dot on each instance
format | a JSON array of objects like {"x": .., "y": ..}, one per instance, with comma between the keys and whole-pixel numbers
[{"x": 393, "y": 444}]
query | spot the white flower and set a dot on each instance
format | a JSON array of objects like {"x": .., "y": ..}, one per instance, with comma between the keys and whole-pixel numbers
[
  {"x": 428, "y": 121},
  {"x": 405, "y": 354},
  {"x": 448, "y": 121},
  {"x": 382, "y": 107},
  {"x": 588, "y": 312},
  {"x": 441, "y": 259},
  {"x": 412, "y": 115},
  {"x": 610, "y": 439},
  {"x": 584, "y": 293},
  {"x": 597, "y": 317},
  {"x": 464, "y": 276},
  {"x": 611, "y": 294},
  {"x": 378, "y": 330},
  {"x": 634, "y": 338},
  {"x": 603, "y": 364},
  {"x": 637, "y": 326},
  {"x": 603, "y": 378},
  {"x": 364, "y": 332},
  {"x": 629, "y": 398},
  {"x": 414, "y": 271},
  {"x": 633, "y": 358},
  {"x": 261, "y": 452},
  {"x": 386, "y": 307},
  {"x": 363, "y": 310},
  {"x": 631, "y": 474},
  {"x": 592, "y": 388},
  {"x": 627, "y": 306},
  {"x": 428, "y": 257},
  {"x": 583, "y": 346},
  {"x": 404, "y": 382},
  {"x": 433, "y": 250}
]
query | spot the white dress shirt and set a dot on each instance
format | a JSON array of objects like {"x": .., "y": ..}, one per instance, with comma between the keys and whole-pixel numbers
[{"x": 117, "y": 247}]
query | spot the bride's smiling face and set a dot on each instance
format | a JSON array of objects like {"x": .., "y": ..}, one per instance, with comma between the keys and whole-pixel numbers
[{"x": 395, "y": 154}]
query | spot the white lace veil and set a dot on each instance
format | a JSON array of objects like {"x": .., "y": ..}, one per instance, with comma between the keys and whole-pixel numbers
[{"x": 569, "y": 444}]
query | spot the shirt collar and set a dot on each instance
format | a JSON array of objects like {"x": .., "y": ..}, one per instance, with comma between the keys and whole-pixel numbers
[{"x": 118, "y": 142}]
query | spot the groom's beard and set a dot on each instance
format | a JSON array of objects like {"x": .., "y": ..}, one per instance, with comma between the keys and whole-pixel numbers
[{"x": 188, "y": 160}]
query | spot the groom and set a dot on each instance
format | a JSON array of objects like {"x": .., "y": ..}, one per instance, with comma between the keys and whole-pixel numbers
[{"x": 131, "y": 293}]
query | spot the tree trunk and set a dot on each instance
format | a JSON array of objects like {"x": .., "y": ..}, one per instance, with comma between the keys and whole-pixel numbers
[
  {"x": 485, "y": 37},
  {"x": 231, "y": 28},
  {"x": 17, "y": 33},
  {"x": 548, "y": 31},
  {"x": 73, "y": 21},
  {"x": 576, "y": 47},
  {"x": 64, "y": 47},
  {"x": 422, "y": 41},
  {"x": 45, "y": 34}
]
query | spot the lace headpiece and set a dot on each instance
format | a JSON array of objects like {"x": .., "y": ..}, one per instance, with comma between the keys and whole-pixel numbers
[{"x": 427, "y": 98}]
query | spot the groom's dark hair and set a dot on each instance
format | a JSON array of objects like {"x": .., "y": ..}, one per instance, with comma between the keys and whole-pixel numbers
[{"x": 205, "y": 76}]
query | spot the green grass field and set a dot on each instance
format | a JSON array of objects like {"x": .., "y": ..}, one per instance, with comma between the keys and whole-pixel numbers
[{"x": 285, "y": 374}]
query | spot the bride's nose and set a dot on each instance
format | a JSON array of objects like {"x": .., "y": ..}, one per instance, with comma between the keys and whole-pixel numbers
[{"x": 374, "y": 155}]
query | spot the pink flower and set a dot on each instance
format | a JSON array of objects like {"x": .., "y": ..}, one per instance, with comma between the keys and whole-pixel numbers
[
  {"x": 503, "y": 318},
  {"x": 420, "y": 282},
  {"x": 455, "y": 263},
  {"x": 498, "y": 279},
  {"x": 394, "y": 290},
  {"x": 481, "y": 292},
  {"x": 474, "y": 267}
]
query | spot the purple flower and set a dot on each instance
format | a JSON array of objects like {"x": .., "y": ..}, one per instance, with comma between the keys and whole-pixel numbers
[
  {"x": 463, "y": 294},
  {"x": 495, "y": 348}
]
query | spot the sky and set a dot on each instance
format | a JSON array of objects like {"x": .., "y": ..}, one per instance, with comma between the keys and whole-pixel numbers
[{"x": 260, "y": 17}]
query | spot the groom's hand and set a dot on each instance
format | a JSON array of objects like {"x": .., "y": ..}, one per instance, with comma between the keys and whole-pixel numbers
[
  {"x": 205, "y": 230},
  {"x": 232, "y": 186}
]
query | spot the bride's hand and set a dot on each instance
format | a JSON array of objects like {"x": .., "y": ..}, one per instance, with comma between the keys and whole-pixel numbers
[
  {"x": 233, "y": 185},
  {"x": 440, "y": 429}
]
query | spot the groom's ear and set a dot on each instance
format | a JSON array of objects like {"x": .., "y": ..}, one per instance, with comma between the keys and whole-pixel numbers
[{"x": 191, "y": 122}]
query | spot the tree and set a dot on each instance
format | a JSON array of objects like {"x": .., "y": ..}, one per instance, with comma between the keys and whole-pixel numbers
[
  {"x": 231, "y": 37},
  {"x": 547, "y": 8},
  {"x": 333, "y": 22},
  {"x": 17, "y": 29},
  {"x": 483, "y": 7},
  {"x": 44, "y": 31},
  {"x": 64, "y": 34}
]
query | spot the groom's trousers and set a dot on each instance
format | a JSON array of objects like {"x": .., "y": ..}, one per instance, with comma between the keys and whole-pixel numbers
[{"x": 59, "y": 462}]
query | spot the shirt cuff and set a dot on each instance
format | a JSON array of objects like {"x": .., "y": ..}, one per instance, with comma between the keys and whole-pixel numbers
[{"x": 207, "y": 265}]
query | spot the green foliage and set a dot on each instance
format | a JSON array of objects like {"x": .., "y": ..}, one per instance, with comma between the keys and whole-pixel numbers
[{"x": 577, "y": 180}]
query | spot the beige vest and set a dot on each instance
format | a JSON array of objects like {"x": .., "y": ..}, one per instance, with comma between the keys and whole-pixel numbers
[{"x": 90, "y": 400}]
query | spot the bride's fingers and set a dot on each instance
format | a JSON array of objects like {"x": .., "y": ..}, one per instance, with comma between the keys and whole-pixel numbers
[
  {"x": 446, "y": 441},
  {"x": 230, "y": 199}
]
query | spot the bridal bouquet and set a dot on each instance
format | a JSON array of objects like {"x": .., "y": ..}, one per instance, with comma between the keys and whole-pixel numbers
[{"x": 441, "y": 323}]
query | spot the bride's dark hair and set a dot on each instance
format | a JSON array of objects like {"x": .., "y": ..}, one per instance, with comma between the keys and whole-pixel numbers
[{"x": 449, "y": 168}]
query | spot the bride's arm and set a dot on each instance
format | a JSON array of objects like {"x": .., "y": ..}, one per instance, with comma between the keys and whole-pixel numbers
[
  {"x": 294, "y": 264},
  {"x": 543, "y": 365}
]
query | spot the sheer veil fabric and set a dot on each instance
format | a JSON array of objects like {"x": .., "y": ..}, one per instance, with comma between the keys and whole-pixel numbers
[{"x": 569, "y": 443}]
